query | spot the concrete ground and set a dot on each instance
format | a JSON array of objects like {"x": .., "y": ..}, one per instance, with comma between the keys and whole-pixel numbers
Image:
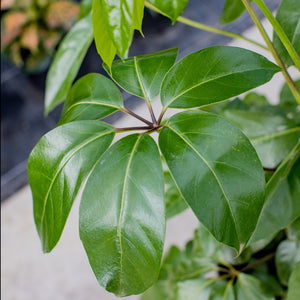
[{"x": 28, "y": 274}]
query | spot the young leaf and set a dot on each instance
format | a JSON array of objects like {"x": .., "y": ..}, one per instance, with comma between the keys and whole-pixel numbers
[
  {"x": 92, "y": 97},
  {"x": 103, "y": 41},
  {"x": 57, "y": 167},
  {"x": 232, "y": 10},
  {"x": 218, "y": 173},
  {"x": 288, "y": 16},
  {"x": 214, "y": 74},
  {"x": 249, "y": 288},
  {"x": 293, "y": 289},
  {"x": 142, "y": 75},
  {"x": 67, "y": 61},
  {"x": 272, "y": 135},
  {"x": 282, "y": 205},
  {"x": 122, "y": 216},
  {"x": 119, "y": 21},
  {"x": 85, "y": 8},
  {"x": 287, "y": 255},
  {"x": 170, "y": 8}
]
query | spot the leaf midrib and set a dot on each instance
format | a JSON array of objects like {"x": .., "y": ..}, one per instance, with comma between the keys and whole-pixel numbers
[
  {"x": 212, "y": 171},
  {"x": 92, "y": 103},
  {"x": 63, "y": 165}
]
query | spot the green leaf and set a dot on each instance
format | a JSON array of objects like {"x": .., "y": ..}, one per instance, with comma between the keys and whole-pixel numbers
[
  {"x": 67, "y": 61},
  {"x": 272, "y": 135},
  {"x": 286, "y": 97},
  {"x": 287, "y": 255},
  {"x": 142, "y": 75},
  {"x": 249, "y": 288},
  {"x": 57, "y": 167},
  {"x": 282, "y": 205},
  {"x": 122, "y": 216},
  {"x": 294, "y": 289},
  {"x": 214, "y": 74},
  {"x": 175, "y": 204},
  {"x": 92, "y": 97},
  {"x": 103, "y": 41},
  {"x": 118, "y": 19},
  {"x": 294, "y": 230},
  {"x": 85, "y": 8},
  {"x": 232, "y": 10},
  {"x": 218, "y": 173},
  {"x": 170, "y": 8},
  {"x": 222, "y": 290},
  {"x": 288, "y": 16}
]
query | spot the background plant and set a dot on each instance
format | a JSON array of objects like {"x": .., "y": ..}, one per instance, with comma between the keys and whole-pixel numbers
[{"x": 235, "y": 163}]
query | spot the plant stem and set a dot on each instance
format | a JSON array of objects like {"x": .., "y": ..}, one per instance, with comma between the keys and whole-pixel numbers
[
  {"x": 151, "y": 112},
  {"x": 258, "y": 262},
  {"x": 161, "y": 115},
  {"x": 274, "y": 52},
  {"x": 133, "y": 128},
  {"x": 207, "y": 28},
  {"x": 129, "y": 112},
  {"x": 280, "y": 32}
]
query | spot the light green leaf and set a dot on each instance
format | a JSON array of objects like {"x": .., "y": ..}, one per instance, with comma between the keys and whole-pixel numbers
[
  {"x": 92, "y": 97},
  {"x": 67, "y": 61},
  {"x": 232, "y": 10},
  {"x": 57, "y": 167},
  {"x": 272, "y": 135},
  {"x": 294, "y": 287},
  {"x": 103, "y": 41},
  {"x": 122, "y": 216},
  {"x": 85, "y": 8},
  {"x": 282, "y": 205},
  {"x": 249, "y": 288},
  {"x": 287, "y": 255},
  {"x": 142, "y": 75},
  {"x": 138, "y": 14},
  {"x": 288, "y": 16},
  {"x": 170, "y": 8},
  {"x": 222, "y": 290},
  {"x": 214, "y": 74},
  {"x": 218, "y": 173}
]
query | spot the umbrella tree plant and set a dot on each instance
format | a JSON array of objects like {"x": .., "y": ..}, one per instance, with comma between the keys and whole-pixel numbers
[{"x": 235, "y": 163}]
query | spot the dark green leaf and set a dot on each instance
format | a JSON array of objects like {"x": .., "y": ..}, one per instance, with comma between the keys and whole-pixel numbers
[
  {"x": 286, "y": 97},
  {"x": 122, "y": 216},
  {"x": 170, "y": 8},
  {"x": 294, "y": 230},
  {"x": 214, "y": 74},
  {"x": 272, "y": 135},
  {"x": 103, "y": 41},
  {"x": 67, "y": 61},
  {"x": 92, "y": 97},
  {"x": 287, "y": 255},
  {"x": 175, "y": 204},
  {"x": 142, "y": 75},
  {"x": 294, "y": 287},
  {"x": 249, "y": 288},
  {"x": 282, "y": 205},
  {"x": 232, "y": 10},
  {"x": 288, "y": 16},
  {"x": 57, "y": 167},
  {"x": 218, "y": 173}
]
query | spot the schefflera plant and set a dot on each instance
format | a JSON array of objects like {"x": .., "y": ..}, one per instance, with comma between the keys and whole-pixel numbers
[{"x": 122, "y": 211}]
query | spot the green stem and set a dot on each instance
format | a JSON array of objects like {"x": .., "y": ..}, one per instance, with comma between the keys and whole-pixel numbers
[
  {"x": 133, "y": 128},
  {"x": 274, "y": 52},
  {"x": 258, "y": 262},
  {"x": 202, "y": 26},
  {"x": 280, "y": 32}
]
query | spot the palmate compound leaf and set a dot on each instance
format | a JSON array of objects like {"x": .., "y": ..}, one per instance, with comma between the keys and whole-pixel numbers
[
  {"x": 218, "y": 173},
  {"x": 142, "y": 75},
  {"x": 57, "y": 167},
  {"x": 92, "y": 97},
  {"x": 122, "y": 216},
  {"x": 67, "y": 61},
  {"x": 214, "y": 74}
]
